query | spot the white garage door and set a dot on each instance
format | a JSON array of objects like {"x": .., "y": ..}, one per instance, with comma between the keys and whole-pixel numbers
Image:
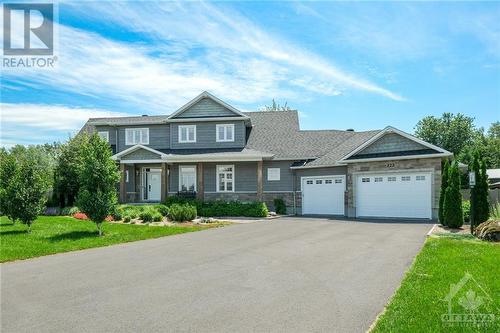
[
  {"x": 323, "y": 195},
  {"x": 403, "y": 195}
]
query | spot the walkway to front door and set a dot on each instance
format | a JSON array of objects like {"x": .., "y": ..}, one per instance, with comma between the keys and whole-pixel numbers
[{"x": 151, "y": 188}]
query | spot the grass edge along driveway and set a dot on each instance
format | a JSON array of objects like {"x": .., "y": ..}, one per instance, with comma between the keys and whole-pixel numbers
[
  {"x": 419, "y": 303},
  {"x": 56, "y": 234}
]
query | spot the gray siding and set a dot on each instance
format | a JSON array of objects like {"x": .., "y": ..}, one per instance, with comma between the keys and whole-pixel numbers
[
  {"x": 206, "y": 107},
  {"x": 391, "y": 142},
  {"x": 245, "y": 176},
  {"x": 206, "y": 136},
  {"x": 285, "y": 183},
  {"x": 334, "y": 171},
  {"x": 159, "y": 136},
  {"x": 111, "y": 131},
  {"x": 141, "y": 154}
]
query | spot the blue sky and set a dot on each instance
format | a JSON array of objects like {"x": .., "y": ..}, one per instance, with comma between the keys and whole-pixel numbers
[{"x": 362, "y": 65}]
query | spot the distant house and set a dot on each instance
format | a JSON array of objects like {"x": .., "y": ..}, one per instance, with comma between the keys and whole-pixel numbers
[
  {"x": 211, "y": 150},
  {"x": 493, "y": 178}
]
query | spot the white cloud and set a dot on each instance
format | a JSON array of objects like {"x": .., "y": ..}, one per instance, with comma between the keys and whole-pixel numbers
[
  {"x": 219, "y": 50},
  {"x": 50, "y": 117}
]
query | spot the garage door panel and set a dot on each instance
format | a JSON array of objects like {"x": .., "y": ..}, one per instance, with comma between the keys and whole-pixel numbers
[
  {"x": 323, "y": 195},
  {"x": 405, "y": 195}
]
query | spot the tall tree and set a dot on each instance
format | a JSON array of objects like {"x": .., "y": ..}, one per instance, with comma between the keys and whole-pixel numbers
[
  {"x": 98, "y": 176},
  {"x": 453, "y": 212},
  {"x": 444, "y": 186},
  {"x": 69, "y": 162},
  {"x": 451, "y": 132},
  {"x": 8, "y": 171}
]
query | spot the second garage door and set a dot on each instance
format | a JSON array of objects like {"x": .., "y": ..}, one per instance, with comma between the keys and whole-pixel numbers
[
  {"x": 323, "y": 195},
  {"x": 399, "y": 195}
]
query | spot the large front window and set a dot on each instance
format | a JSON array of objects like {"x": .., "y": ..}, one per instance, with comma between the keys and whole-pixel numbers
[
  {"x": 135, "y": 136},
  {"x": 225, "y": 178},
  {"x": 187, "y": 178},
  {"x": 187, "y": 133}
]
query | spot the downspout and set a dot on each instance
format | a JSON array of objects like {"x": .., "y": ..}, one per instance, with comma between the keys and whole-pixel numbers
[{"x": 294, "y": 192}]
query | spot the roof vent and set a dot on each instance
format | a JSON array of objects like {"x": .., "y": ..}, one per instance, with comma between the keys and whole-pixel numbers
[
  {"x": 350, "y": 130},
  {"x": 144, "y": 115}
]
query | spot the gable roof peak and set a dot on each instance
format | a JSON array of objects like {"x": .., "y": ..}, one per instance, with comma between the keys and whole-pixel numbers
[{"x": 206, "y": 94}]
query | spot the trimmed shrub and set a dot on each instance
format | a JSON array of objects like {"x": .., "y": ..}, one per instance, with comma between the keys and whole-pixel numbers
[
  {"x": 177, "y": 200},
  {"x": 453, "y": 214},
  {"x": 444, "y": 186},
  {"x": 146, "y": 216},
  {"x": 232, "y": 208},
  {"x": 127, "y": 219},
  {"x": 162, "y": 209},
  {"x": 157, "y": 217},
  {"x": 182, "y": 212},
  {"x": 117, "y": 216},
  {"x": 466, "y": 209},
  {"x": 279, "y": 206}
]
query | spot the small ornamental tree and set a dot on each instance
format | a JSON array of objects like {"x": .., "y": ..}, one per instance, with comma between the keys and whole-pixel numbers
[
  {"x": 98, "y": 176},
  {"x": 453, "y": 213},
  {"x": 8, "y": 170},
  {"x": 27, "y": 191},
  {"x": 444, "y": 185}
]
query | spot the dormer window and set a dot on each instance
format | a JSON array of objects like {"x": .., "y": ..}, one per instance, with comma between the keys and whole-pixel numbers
[
  {"x": 136, "y": 136},
  {"x": 187, "y": 133},
  {"x": 225, "y": 132}
]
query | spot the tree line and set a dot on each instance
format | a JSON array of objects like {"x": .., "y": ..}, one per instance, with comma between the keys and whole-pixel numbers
[{"x": 80, "y": 171}]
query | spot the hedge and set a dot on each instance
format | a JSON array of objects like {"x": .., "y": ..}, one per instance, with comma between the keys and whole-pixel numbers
[{"x": 222, "y": 208}]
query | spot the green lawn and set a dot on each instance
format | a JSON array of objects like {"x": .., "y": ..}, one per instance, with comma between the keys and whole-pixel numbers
[
  {"x": 419, "y": 303},
  {"x": 54, "y": 234}
]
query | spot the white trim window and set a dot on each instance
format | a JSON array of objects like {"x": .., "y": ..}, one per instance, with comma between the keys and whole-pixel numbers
[
  {"x": 187, "y": 133},
  {"x": 225, "y": 132},
  {"x": 136, "y": 136},
  {"x": 187, "y": 178},
  {"x": 104, "y": 135},
  {"x": 225, "y": 178},
  {"x": 273, "y": 174}
]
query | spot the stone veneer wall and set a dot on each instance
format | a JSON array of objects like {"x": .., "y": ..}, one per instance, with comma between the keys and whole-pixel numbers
[{"x": 431, "y": 164}]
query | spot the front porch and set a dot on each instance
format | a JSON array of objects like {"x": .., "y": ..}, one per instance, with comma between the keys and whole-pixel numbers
[{"x": 154, "y": 182}]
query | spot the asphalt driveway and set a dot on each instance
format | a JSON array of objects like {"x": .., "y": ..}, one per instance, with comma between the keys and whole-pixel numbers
[{"x": 285, "y": 275}]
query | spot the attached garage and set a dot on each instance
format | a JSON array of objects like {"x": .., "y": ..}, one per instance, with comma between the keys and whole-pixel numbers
[
  {"x": 394, "y": 195},
  {"x": 323, "y": 195}
]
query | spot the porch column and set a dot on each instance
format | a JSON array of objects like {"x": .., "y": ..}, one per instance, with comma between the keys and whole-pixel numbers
[
  {"x": 123, "y": 186},
  {"x": 259, "y": 181},
  {"x": 164, "y": 182},
  {"x": 200, "y": 183}
]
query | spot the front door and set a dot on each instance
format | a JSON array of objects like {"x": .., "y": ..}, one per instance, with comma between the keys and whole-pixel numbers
[{"x": 152, "y": 185}]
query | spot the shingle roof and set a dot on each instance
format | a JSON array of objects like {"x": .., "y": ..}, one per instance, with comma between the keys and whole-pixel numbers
[
  {"x": 271, "y": 132},
  {"x": 274, "y": 132}
]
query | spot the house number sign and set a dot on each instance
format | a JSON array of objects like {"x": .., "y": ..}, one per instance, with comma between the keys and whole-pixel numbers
[{"x": 390, "y": 165}]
